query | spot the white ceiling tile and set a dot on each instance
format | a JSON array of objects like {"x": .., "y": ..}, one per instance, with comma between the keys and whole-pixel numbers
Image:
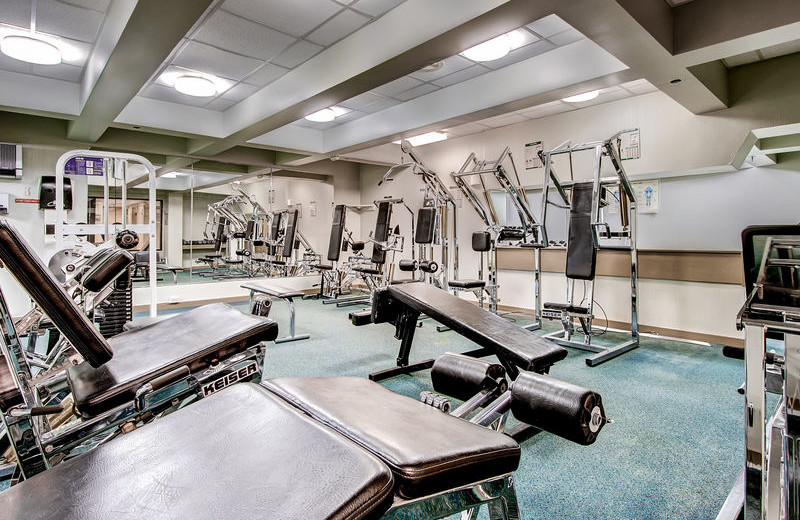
[
  {"x": 397, "y": 86},
  {"x": 205, "y": 58},
  {"x": 466, "y": 129},
  {"x": 61, "y": 71},
  {"x": 295, "y": 17},
  {"x": 382, "y": 104},
  {"x": 639, "y": 86},
  {"x": 742, "y": 59},
  {"x": 338, "y": 27},
  {"x": 74, "y": 52},
  {"x": 548, "y": 26},
  {"x": 8, "y": 63},
  {"x": 425, "y": 88},
  {"x": 527, "y": 37},
  {"x": 461, "y": 75},
  {"x": 296, "y": 54},
  {"x": 17, "y": 12},
  {"x": 97, "y": 5},
  {"x": 361, "y": 101},
  {"x": 240, "y": 92},
  {"x": 233, "y": 33},
  {"x": 305, "y": 123},
  {"x": 375, "y": 7},
  {"x": 781, "y": 49},
  {"x": 547, "y": 109},
  {"x": 163, "y": 93},
  {"x": 221, "y": 104},
  {"x": 68, "y": 20},
  {"x": 503, "y": 120},
  {"x": 523, "y": 53},
  {"x": 266, "y": 75},
  {"x": 349, "y": 116},
  {"x": 449, "y": 66},
  {"x": 566, "y": 37}
]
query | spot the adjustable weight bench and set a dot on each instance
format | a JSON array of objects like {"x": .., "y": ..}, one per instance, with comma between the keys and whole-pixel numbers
[
  {"x": 131, "y": 376},
  {"x": 516, "y": 348},
  {"x": 299, "y": 448},
  {"x": 283, "y": 293}
]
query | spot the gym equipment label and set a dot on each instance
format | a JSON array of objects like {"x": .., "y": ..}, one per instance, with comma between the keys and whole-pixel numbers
[
  {"x": 84, "y": 166},
  {"x": 229, "y": 379}
]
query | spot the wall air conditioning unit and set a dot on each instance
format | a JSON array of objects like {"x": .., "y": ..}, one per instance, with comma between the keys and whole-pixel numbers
[{"x": 10, "y": 161}]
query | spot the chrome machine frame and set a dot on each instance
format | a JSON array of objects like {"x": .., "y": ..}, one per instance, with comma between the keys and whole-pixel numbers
[
  {"x": 437, "y": 196},
  {"x": 771, "y": 477},
  {"x": 113, "y": 163},
  {"x": 600, "y": 231},
  {"x": 532, "y": 234}
]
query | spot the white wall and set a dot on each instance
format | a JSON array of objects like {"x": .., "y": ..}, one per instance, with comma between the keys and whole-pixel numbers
[{"x": 700, "y": 212}]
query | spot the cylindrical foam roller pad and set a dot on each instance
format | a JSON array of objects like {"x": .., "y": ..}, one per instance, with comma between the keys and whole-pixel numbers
[
  {"x": 261, "y": 305},
  {"x": 569, "y": 411},
  {"x": 462, "y": 376},
  {"x": 429, "y": 266},
  {"x": 408, "y": 265},
  {"x": 243, "y": 252}
]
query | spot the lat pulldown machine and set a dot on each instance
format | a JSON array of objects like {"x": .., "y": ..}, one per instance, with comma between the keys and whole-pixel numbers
[
  {"x": 438, "y": 205},
  {"x": 588, "y": 232},
  {"x": 530, "y": 233}
]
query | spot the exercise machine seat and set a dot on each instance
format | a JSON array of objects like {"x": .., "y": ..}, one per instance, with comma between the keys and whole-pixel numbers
[
  {"x": 271, "y": 289},
  {"x": 427, "y": 450},
  {"x": 467, "y": 284},
  {"x": 322, "y": 267},
  {"x": 194, "y": 338},
  {"x": 566, "y": 307},
  {"x": 240, "y": 453},
  {"x": 522, "y": 347},
  {"x": 366, "y": 270}
]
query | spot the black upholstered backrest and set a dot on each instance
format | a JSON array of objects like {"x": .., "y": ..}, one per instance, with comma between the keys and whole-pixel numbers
[
  {"x": 250, "y": 229},
  {"x": 581, "y": 253},
  {"x": 381, "y": 231},
  {"x": 220, "y": 233},
  {"x": 100, "y": 273},
  {"x": 481, "y": 241},
  {"x": 291, "y": 230},
  {"x": 426, "y": 220},
  {"x": 337, "y": 229},
  {"x": 30, "y": 272},
  {"x": 275, "y": 229}
]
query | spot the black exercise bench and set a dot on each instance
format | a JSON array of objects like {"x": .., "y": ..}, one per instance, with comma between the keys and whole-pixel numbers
[
  {"x": 121, "y": 376},
  {"x": 516, "y": 348},
  {"x": 278, "y": 291}
]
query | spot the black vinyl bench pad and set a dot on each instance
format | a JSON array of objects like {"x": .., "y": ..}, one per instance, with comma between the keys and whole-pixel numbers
[
  {"x": 526, "y": 349},
  {"x": 467, "y": 284},
  {"x": 192, "y": 338},
  {"x": 241, "y": 453},
  {"x": 427, "y": 450}
]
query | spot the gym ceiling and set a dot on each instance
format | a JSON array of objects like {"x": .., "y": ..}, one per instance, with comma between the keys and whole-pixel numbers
[{"x": 393, "y": 66}]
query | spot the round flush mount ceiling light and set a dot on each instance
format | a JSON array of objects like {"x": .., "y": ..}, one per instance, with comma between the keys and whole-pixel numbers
[
  {"x": 30, "y": 49},
  {"x": 325, "y": 115},
  {"x": 197, "y": 86},
  {"x": 495, "y": 48},
  {"x": 586, "y": 96}
]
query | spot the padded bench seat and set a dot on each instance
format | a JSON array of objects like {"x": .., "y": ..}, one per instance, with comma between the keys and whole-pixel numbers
[
  {"x": 467, "y": 284},
  {"x": 272, "y": 289},
  {"x": 366, "y": 270},
  {"x": 427, "y": 450},
  {"x": 241, "y": 453},
  {"x": 194, "y": 338},
  {"x": 565, "y": 307}
]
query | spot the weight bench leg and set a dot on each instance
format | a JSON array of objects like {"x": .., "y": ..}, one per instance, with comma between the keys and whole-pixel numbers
[{"x": 292, "y": 336}]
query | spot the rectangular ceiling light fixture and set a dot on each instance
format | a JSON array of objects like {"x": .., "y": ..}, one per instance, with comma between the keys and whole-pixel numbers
[{"x": 430, "y": 137}]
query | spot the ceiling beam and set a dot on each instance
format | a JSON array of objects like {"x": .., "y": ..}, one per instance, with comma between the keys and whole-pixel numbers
[
  {"x": 779, "y": 144},
  {"x": 154, "y": 29}
]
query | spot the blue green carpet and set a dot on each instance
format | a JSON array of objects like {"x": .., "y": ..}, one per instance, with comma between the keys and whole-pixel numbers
[{"x": 674, "y": 450}]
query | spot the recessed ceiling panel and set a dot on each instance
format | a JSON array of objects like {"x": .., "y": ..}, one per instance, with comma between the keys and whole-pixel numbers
[
  {"x": 375, "y": 7},
  {"x": 233, "y": 33},
  {"x": 393, "y": 88},
  {"x": 461, "y": 75},
  {"x": 266, "y": 74},
  {"x": 421, "y": 90},
  {"x": 239, "y": 91},
  {"x": 163, "y": 93},
  {"x": 443, "y": 68},
  {"x": 548, "y": 26},
  {"x": 338, "y": 27},
  {"x": 295, "y": 17},
  {"x": 68, "y": 20},
  {"x": 205, "y": 58},
  {"x": 298, "y": 53}
]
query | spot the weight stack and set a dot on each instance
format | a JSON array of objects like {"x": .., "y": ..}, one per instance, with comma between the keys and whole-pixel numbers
[{"x": 117, "y": 309}]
